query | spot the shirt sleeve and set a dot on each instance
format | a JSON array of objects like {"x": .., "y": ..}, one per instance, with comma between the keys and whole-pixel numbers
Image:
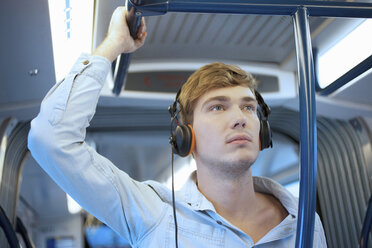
[{"x": 56, "y": 141}]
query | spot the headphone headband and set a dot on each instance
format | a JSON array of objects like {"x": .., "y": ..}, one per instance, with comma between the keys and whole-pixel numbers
[
  {"x": 264, "y": 107},
  {"x": 173, "y": 107}
]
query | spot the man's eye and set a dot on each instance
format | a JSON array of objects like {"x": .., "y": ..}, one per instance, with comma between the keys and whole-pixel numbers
[
  {"x": 249, "y": 107},
  {"x": 217, "y": 108}
]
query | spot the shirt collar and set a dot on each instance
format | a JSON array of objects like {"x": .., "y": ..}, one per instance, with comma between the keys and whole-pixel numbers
[
  {"x": 269, "y": 186},
  {"x": 193, "y": 197}
]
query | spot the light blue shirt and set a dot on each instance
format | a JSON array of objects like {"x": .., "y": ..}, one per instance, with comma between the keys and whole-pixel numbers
[{"x": 141, "y": 212}]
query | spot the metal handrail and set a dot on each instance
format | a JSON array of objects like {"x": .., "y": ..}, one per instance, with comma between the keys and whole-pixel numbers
[
  {"x": 261, "y": 7},
  {"x": 134, "y": 21},
  {"x": 308, "y": 156}
]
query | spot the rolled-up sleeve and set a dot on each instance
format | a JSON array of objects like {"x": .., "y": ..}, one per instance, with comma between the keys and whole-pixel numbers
[{"x": 56, "y": 141}]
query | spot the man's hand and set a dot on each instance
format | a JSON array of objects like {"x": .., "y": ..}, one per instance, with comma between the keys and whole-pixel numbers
[{"x": 118, "y": 39}]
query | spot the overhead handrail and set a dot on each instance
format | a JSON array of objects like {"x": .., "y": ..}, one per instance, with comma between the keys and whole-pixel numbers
[
  {"x": 262, "y": 7},
  {"x": 134, "y": 21}
]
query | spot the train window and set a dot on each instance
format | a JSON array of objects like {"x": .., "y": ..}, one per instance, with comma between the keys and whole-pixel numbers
[{"x": 345, "y": 54}]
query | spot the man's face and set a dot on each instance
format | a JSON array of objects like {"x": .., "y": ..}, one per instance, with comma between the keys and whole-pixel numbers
[{"x": 226, "y": 129}]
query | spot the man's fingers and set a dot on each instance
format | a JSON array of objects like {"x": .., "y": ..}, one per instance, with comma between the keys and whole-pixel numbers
[
  {"x": 142, "y": 28},
  {"x": 140, "y": 41},
  {"x": 143, "y": 23}
]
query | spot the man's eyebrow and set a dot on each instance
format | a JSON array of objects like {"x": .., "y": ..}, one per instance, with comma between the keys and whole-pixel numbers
[
  {"x": 216, "y": 98},
  {"x": 249, "y": 99},
  {"x": 226, "y": 99}
]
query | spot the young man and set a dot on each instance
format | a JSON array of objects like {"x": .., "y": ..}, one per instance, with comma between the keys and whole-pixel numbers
[{"x": 221, "y": 205}]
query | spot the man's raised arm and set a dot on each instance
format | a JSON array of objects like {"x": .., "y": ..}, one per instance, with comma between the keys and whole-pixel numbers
[{"x": 56, "y": 141}]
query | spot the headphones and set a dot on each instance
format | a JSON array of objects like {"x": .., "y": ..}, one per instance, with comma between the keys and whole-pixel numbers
[
  {"x": 263, "y": 113},
  {"x": 182, "y": 138}
]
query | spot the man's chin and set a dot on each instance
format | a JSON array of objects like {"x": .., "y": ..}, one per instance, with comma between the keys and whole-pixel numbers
[
  {"x": 236, "y": 168},
  {"x": 233, "y": 163},
  {"x": 244, "y": 156},
  {"x": 242, "y": 163}
]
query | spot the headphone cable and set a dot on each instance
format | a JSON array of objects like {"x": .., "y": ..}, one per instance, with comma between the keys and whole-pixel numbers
[{"x": 174, "y": 204}]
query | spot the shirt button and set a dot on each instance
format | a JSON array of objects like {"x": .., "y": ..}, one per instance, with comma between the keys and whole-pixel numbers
[
  {"x": 86, "y": 62},
  {"x": 219, "y": 222}
]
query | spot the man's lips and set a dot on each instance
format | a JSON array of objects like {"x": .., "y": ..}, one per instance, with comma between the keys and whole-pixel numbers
[{"x": 239, "y": 138}]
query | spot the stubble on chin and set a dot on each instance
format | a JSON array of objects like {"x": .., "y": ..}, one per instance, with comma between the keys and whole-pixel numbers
[{"x": 229, "y": 169}]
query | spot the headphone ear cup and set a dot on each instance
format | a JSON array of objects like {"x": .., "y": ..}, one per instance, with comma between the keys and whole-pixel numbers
[
  {"x": 183, "y": 140},
  {"x": 265, "y": 135}
]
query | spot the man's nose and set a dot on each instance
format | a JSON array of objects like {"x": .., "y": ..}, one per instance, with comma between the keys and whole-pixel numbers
[{"x": 239, "y": 119}]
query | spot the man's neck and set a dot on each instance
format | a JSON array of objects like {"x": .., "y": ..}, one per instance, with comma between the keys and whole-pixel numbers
[{"x": 232, "y": 197}]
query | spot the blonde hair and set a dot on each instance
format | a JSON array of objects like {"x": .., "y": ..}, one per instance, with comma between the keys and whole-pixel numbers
[{"x": 209, "y": 77}]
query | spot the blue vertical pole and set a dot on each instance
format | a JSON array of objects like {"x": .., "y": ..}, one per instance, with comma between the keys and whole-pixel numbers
[{"x": 305, "y": 64}]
